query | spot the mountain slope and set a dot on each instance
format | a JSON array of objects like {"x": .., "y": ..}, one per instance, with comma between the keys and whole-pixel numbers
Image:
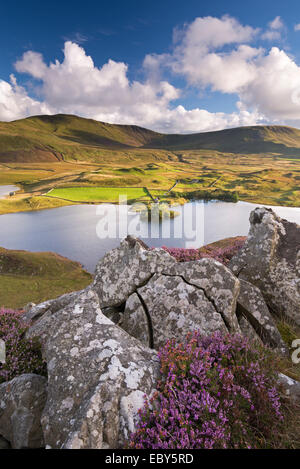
[
  {"x": 256, "y": 139},
  {"x": 67, "y": 137}
]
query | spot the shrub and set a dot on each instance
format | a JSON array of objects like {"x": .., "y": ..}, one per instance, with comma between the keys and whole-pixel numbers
[
  {"x": 222, "y": 255},
  {"x": 22, "y": 356},
  {"x": 217, "y": 392}
]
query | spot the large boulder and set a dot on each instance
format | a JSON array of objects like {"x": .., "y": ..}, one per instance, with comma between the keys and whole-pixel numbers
[
  {"x": 97, "y": 375},
  {"x": 270, "y": 260},
  {"x": 153, "y": 297},
  {"x": 177, "y": 308},
  {"x": 155, "y": 289},
  {"x": 121, "y": 271},
  {"x": 21, "y": 404}
]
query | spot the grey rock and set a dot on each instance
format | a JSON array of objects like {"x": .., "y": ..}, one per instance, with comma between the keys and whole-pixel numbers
[
  {"x": 33, "y": 312},
  {"x": 291, "y": 387},
  {"x": 177, "y": 308},
  {"x": 21, "y": 404},
  {"x": 135, "y": 321},
  {"x": 220, "y": 286},
  {"x": 248, "y": 330},
  {"x": 113, "y": 313},
  {"x": 270, "y": 260},
  {"x": 97, "y": 376},
  {"x": 252, "y": 304},
  {"x": 121, "y": 271}
]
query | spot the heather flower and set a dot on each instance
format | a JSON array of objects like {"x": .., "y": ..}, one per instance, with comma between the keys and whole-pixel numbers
[
  {"x": 223, "y": 255},
  {"x": 216, "y": 392},
  {"x": 22, "y": 356}
]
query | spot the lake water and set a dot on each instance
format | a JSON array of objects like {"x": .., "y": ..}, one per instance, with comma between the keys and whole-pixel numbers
[
  {"x": 72, "y": 231},
  {"x": 5, "y": 190}
]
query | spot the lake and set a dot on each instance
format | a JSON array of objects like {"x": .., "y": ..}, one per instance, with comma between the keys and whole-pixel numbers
[
  {"x": 74, "y": 231},
  {"x": 6, "y": 190}
]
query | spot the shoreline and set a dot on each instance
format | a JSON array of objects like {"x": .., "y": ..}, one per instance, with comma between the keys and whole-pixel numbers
[{"x": 58, "y": 202}]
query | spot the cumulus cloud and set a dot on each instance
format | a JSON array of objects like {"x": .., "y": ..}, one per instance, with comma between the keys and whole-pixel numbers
[
  {"x": 274, "y": 29},
  {"x": 77, "y": 86},
  {"x": 297, "y": 27},
  {"x": 15, "y": 102},
  {"x": 266, "y": 81},
  {"x": 211, "y": 54}
]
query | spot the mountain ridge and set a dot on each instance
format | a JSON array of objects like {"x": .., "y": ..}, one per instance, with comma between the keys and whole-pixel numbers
[{"x": 67, "y": 137}]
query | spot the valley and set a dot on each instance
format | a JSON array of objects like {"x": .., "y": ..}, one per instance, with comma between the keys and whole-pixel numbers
[{"x": 54, "y": 153}]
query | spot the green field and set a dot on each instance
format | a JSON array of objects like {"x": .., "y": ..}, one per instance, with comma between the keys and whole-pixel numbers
[{"x": 98, "y": 194}]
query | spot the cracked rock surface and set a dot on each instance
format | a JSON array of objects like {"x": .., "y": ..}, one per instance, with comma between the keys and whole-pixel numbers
[
  {"x": 121, "y": 271},
  {"x": 135, "y": 321},
  {"x": 270, "y": 260},
  {"x": 97, "y": 375},
  {"x": 217, "y": 282},
  {"x": 178, "y": 308}
]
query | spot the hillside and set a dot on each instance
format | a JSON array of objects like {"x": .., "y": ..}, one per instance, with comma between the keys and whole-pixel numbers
[
  {"x": 63, "y": 137},
  {"x": 67, "y": 138},
  {"x": 37, "y": 276},
  {"x": 279, "y": 140}
]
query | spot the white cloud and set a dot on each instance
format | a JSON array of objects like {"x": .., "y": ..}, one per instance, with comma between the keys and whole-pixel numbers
[
  {"x": 77, "y": 86},
  {"x": 33, "y": 64},
  {"x": 274, "y": 31},
  {"x": 265, "y": 81},
  {"x": 15, "y": 102},
  {"x": 210, "y": 33},
  {"x": 297, "y": 27},
  {"x": 212, "y": 54},
  {"x": 271, "y": 35},
  {"x": 276, "y": 23}
]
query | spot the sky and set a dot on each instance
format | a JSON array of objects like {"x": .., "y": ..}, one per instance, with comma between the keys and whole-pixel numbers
[{"x": 171, "y": 66}]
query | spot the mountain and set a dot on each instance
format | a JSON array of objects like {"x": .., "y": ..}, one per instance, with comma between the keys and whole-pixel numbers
[{"x": 66, "y": 137}]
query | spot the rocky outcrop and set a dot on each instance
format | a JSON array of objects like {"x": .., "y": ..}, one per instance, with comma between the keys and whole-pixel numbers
[
  {"x": 121, "y": 271},
  {"x": 97, "y": 375},
  {"x": 270, "y": 260},
  {"x": 21, "y": 404},
  {"x": 100, "y": 344}
]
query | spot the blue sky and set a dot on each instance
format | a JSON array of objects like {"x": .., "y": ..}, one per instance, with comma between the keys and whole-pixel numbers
[{"x": 168, "y": 65}]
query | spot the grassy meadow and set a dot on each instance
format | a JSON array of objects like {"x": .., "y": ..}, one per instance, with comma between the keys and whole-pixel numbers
[{"x": 97, "y": 194}]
